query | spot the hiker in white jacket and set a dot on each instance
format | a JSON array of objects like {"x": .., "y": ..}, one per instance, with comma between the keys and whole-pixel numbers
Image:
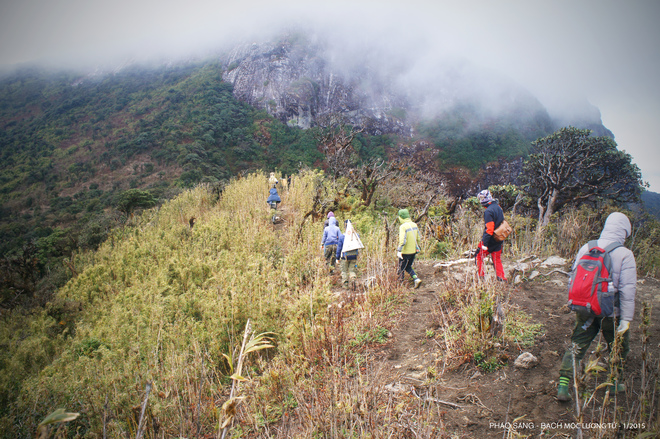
[{"x": 624, "y": 281}]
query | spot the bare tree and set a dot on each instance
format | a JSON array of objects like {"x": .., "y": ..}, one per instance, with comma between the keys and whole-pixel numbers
[
  {"x": 324, "y": 199},
  {"x": 414, "y": 189},
  {"x": 336, "y": 141},
  {"x": 368, "y": 176},
  {"x": 418, "y": 191}
]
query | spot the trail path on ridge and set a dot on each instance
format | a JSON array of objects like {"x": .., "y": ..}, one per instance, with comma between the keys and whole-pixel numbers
[
  {"x": 477, "y": 404},
  {"x": 480, "y": 403}
]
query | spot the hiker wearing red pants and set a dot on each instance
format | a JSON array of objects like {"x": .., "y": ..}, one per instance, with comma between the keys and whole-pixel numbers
[{"x": 493, "y": 217}]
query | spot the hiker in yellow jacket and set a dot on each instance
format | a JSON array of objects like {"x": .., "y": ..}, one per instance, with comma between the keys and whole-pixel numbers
[{"x": 409, "y": 245}]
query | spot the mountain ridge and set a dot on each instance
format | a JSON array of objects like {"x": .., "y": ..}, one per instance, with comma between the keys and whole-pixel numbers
[{"x": 72, "y": 141}]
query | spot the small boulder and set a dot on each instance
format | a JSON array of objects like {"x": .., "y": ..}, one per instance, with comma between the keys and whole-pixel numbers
[
  {"x": 396, "y": 388},
  {"x": 557, "y": 282},
  {"x": 526, "y": 361},
  {"x": 523, "y": 266},
  {"x": 553, "y": 261}
]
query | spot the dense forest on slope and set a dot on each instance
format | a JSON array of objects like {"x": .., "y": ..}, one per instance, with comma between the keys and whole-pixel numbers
[
  {"x": 651, "y": 202},
  {"x": 71, "y": 145},
  {"x": 463, "y": 138}
]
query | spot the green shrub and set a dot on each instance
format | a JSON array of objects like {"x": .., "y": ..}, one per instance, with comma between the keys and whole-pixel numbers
[{"x": 441, "y": 250}]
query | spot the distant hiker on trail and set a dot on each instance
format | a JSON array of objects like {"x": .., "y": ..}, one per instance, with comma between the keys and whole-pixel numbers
[
  {"x": 274, "y": 198},
  {"x": 409, "y": 246},
  {"x": 272, "y": 180},
  {"x": 331, "y": 235},
  {"x": 623, "y": 283},
  {"x": 493, "y": 217},
  {"x": 347, "y": 253}
]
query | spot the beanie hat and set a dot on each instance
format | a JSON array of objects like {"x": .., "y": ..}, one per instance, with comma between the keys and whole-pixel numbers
[
  {"x": 485, "y": 197},
  {"x": 403, "y": 213},
  {"x": 330, "y": 214}
]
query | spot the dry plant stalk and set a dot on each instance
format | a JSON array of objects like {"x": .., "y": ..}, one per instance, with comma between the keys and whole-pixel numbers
[
  {"x": 255, "y": 343},
  {"x": 138, "y": 435}
]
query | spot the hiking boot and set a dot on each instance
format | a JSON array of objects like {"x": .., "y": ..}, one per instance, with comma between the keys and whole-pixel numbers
[
  {"x": 418, "y": 282},
  {"x": 617, "y": 387},
  {"x": 562, "y": 393}
]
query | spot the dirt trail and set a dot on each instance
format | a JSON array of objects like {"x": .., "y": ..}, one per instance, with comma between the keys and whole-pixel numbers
[
  {"x": 479, "y": 404},
  {"x": 509, "y": 401}
]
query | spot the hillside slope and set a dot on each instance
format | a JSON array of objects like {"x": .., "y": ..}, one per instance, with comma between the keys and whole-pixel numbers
[
  {"x": 651, "y": 201},
  {"x": 157, "y": 302},
  {"x": 157, "y": 314}
]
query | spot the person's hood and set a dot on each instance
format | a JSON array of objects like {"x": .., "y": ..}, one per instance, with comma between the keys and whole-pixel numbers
[
  {"x": 617, "y": 228},
  {"x": 332, "y": 221}
]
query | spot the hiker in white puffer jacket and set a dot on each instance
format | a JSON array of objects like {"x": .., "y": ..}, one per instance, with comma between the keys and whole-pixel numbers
[{"x": 624, "y": 281}]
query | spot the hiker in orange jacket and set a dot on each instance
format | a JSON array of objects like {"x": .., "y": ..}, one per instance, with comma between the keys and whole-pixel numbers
[{"x": 493, "y": 217}]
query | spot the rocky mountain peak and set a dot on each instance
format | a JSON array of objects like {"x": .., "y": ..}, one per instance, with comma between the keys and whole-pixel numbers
[
  {"x": 302, "y": 79},
  {"x": 295, "y": 82}
]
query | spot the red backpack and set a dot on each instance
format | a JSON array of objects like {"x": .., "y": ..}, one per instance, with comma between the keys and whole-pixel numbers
[{"x": 588, "y": 285}]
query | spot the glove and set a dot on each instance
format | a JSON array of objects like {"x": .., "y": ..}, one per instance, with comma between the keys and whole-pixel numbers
[
  {"x": 399, "y": 255},
  {"x": 483, "y": 247},
  {"x": 623, "y": 326}
]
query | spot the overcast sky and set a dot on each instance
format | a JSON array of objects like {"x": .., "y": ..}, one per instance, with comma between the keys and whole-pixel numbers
[{"x": 603, "y": 50}]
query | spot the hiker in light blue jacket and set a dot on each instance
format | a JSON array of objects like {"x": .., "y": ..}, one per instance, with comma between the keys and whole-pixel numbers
[
  {"x": 331, "y": 235},
  {"x": 624, "y": 282}
]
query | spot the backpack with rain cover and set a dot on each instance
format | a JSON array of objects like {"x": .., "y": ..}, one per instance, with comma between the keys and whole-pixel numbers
[{"x": 588, "y": 292}]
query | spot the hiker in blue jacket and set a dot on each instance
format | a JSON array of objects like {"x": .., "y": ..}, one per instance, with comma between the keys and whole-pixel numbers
[
  {"x": 273, "y": 198},
  {"x": 624, "y": 282},
  {"x": 331, "y": 235}
]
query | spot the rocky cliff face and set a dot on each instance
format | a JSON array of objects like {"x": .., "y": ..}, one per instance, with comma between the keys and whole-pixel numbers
[
  {"x": 295, "y": 83},
  {"x": 301, "y": 81}
]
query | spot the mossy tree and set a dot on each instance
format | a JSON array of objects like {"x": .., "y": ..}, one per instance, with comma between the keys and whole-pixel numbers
[
  {"x": 571, "y": 166},
  {"x": 133, "y": 199}
]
